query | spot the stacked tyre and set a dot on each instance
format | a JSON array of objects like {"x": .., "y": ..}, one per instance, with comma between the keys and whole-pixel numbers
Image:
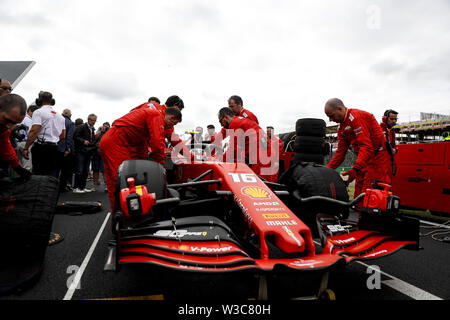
[{"x": 310, "y": 144}]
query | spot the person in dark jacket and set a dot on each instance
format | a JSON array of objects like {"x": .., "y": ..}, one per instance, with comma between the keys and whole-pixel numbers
[
  {"x": 66, "y": 154},
  {"x": 97, "y": 162},
  {"x": 84, "y": 141}
]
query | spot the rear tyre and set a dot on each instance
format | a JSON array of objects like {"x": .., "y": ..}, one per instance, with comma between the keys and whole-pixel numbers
[
  {"x": 312, "y": 145},
  {"x": 306, "y": 157},
  {"x": 316, "y": 180},
  {"x": 310, "y": 127}
]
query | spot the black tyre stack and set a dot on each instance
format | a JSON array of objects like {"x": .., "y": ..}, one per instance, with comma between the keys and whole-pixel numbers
[{"x": 310, "y": 144}]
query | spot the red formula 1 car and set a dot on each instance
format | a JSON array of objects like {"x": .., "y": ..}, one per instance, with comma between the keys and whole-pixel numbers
[{"x": 214, "y": 217}]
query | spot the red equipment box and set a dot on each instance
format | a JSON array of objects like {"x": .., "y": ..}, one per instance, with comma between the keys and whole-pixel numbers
[{"x": 423, "y": 176}]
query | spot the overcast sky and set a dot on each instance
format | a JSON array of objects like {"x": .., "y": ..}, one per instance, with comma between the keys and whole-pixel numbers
[{"x": 285, "y": 58}]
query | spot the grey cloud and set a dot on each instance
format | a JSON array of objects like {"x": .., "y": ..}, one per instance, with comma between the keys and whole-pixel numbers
[
  {"x": 108, "y": 86},
  {"x": 433, "y": 68},
  {"x": 23, "y": 19},
  {"x": 388, "y": 66},
  {"x": 192, "y": 14}
]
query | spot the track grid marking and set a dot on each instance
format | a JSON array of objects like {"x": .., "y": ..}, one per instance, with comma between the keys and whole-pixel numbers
[
  {"x": 73, "y": 286},
  {"x": 401, "y": 286}
]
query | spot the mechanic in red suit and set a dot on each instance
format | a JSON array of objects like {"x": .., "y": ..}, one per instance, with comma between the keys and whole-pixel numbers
[
  {"x": 129, "y": 138},
  {"x": 12, "y": 111},
  {"x": 236, "y": 104},
  {"x": 273, "y": 143},
  {"x": 360, "y": 130},
  {"x": 387, "y": 125},
  {"x": 246, "y": 140},
  {"x": 172, "y": 101}
]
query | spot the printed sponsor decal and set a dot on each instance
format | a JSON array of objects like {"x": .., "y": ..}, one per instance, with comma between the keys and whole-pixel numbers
[
  {"x": 281, "y": 223},
  {"x": 344, "y": 241},
  {"x": 247, "y": 216},
  {"x": 211, "y": 250},
  {"x": 178, "y": 233},
  {"x": 268, "y": 204},
  {"x": 338, "y": 227},
  {"x": 276, "y": 216},
  {"x": 269, "y": 209},
  {"x": 190, "y": 267},
  {"x": 375, "y": 254},
  {"x": 303, "y": 263},
  {"x": 255, "y": 193},
  {"x": 205, "y": 249}
]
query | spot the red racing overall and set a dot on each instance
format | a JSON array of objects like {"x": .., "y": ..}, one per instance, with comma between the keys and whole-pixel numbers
[
  {"x": 128, "y": 139},
  {"x": 273, "y": 144},
  {"x": 223, "y": 133},
  {"x": 361, "y": 131},
  {"x": 391, "y": 134},
  {"x": 246, "y": 140},
  {"x": 7, "y": 153}
]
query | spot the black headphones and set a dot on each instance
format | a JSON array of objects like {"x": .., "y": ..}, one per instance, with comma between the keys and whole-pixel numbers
[
  {"x": 386, "y": 114},
  {"x": 39, "y": 99}
]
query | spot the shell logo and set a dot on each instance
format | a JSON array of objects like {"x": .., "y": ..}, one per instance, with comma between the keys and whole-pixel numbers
[{"x": 256, "y": 193}]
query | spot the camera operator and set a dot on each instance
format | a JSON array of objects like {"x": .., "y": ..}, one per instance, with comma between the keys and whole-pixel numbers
[{"x": 12, "y": 111}]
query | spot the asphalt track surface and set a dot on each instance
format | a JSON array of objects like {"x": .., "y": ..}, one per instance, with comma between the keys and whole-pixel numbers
[{"x": 74, "y": 271}]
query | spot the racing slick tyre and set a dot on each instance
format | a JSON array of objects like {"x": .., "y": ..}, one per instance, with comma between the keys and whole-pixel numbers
[
  {"x": 310, "y": 179},
  {"x": 311, "y": 145},
  {"x": 310, "y": 127},
  {"x": 26, "y": 216},
  {"x": 306, "y": 157}
]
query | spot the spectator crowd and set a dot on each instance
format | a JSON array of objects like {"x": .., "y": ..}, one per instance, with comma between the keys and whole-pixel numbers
[{"x": 46, "y": 142}]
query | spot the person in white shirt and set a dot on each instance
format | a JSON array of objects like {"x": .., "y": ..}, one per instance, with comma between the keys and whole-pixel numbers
[
  {"x": 47, "y": 130},
  {"x": 28, "y": 122}
]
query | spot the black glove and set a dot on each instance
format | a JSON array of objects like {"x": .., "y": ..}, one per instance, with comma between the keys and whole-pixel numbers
[{"x": 23, "y": 173}]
